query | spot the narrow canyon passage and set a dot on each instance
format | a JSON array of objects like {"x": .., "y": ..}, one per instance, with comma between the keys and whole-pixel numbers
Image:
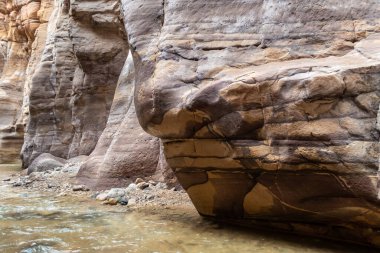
[{"x": 144, "y": 125}]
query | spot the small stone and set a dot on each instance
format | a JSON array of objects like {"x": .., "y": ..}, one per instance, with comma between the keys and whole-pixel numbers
[
  {"x": 139, "y": 180},
  {"x": 28, "y": 182},
  {"x": 123, "y": 201},
  {"x": 151, "y": 182},
  {"x": 6, "y": 179},
  {"x": 78, "y": 188},
  {"x": 111, "y": 201},
  {"x": 116, "y": 193},
  {"x": 17, "y": 184},
  {"x": 149, "y": 197},
  {"x": 131, "y": 187},
  {"x": 132, "y": 201},
  {"x": 162, "y": 186},
  {"x": 101, "y": 196},
  {"x": 142, "y": 185}
]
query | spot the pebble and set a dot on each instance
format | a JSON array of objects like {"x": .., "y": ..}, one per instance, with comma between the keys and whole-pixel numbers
[
  {"x": 132, "y": 201},
  {"x": 78, "y": 188},
  {"x": 111, "y": 201},
  {"x": 142, "y": 185},
  {"x": 123, "y": 201},
  {"x": 16, "y": 184},
  {"x": 116, "y": 192},
  {"x": 101, "y": 196},
  {"x": 139, "y": 180},
  {"x": 131, "y": 187},
  {"x": 151, "y": 182},
  {"x": 162, "y": 186}
]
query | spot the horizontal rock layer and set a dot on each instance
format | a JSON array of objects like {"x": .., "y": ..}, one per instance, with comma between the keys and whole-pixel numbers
[{"x": 268, "y": 109}]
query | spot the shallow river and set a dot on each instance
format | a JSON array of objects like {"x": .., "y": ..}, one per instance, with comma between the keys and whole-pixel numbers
[{"x": 40, "y": 222}]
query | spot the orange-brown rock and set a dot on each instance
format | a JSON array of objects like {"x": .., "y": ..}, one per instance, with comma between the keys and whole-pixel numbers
[
  {"x": 268, "y": 110},
  {"x": 72, "y": 88},
  {"x": 79, "y": 100},
  {"x": 20, "y": 23}
]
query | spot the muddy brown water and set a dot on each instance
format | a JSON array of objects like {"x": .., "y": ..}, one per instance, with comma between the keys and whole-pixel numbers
[{"x": 34, "y": 222}]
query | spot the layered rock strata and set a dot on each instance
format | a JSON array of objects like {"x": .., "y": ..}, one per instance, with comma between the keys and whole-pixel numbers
[
  {"x": 268, "y": 110},
  {"x": 79, "y": 99},
  {"x": 124, "y": 151},
  {"x": 20, "y": 22},
  {"x": 72, "y": 89}
]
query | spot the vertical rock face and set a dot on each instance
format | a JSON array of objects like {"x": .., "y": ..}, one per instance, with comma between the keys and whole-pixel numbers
[
  {"x": 20, "y": 21},
  {"x": 72, "y": 88},
  {"x": 268, "y": 110},
  {"x": 124, "y": 151},
  {"x": 80, "y": 101}
]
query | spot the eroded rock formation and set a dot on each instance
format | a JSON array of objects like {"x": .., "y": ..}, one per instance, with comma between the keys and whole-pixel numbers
[
  {"x": 124, "y": 151},
  {"x": 76, "y": 106},
  {"x": 73, "y": 86},
  {"x": 20, "y": 21},
  {"x": 268, "y": 109}
]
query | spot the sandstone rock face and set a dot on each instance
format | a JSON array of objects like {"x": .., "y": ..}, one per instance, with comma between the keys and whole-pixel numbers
[
  {"x": 75, "y": 104},
  {"x": 20, "y": 21},
  {"x": 72, "y": 88},
  {"x": 124, "y": 151},
  {"x": 268, "y": 110}
]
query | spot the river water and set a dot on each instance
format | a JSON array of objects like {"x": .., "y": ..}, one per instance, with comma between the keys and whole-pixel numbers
[{"x": 34, "y": 222}]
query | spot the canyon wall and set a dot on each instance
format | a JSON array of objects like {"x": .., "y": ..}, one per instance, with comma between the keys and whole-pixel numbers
[
  {"x": 78, "y": 97},
  {"x": 268, "y": 110},
  {"x": 72, "y": 89},
  {"x": 20, "y": 23},
  {"x": 124, "y": 151}
]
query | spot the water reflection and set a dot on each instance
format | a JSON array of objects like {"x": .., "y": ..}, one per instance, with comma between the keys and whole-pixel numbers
[{"x": 42, "y": 222}]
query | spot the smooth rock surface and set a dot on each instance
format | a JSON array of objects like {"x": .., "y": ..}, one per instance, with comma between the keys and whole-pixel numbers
[
  {"x": 20, "y": 23},
  {"x": 268, "y": 110},
  {"x": 46, "y": 162},
  {"x": 124, "y": 151},
  {"x": 72, "y": 88}
]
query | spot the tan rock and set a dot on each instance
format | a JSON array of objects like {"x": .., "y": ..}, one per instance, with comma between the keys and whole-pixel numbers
[
  {"x": 268, "y": 110},
  {"x": 19, "y": 23}
]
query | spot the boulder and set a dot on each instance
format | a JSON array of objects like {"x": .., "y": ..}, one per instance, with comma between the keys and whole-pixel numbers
[
  {"x": 45, "y": 162},
  {"x": 267, "y": 110}
]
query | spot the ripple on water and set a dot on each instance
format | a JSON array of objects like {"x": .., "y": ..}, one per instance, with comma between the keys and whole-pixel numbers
[{"x": 40, "y": 222}]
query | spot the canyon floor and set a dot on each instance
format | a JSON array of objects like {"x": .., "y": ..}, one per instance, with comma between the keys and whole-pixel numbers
[{"x": 48, "y": 212}]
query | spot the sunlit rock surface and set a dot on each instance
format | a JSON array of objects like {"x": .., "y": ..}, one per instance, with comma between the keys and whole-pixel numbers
[
  {"x": 79, "y": 99},
  {"x": 72, "y": 89},
  {"x": 268, "y": 110},
  {"x": 20, "y": 22}
]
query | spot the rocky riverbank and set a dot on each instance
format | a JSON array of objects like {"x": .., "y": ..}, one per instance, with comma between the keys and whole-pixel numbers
[{"x": 62, "y": 182}]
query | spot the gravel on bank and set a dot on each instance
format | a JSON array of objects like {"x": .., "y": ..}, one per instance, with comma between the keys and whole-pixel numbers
[{"x": 62, "y": 182}]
